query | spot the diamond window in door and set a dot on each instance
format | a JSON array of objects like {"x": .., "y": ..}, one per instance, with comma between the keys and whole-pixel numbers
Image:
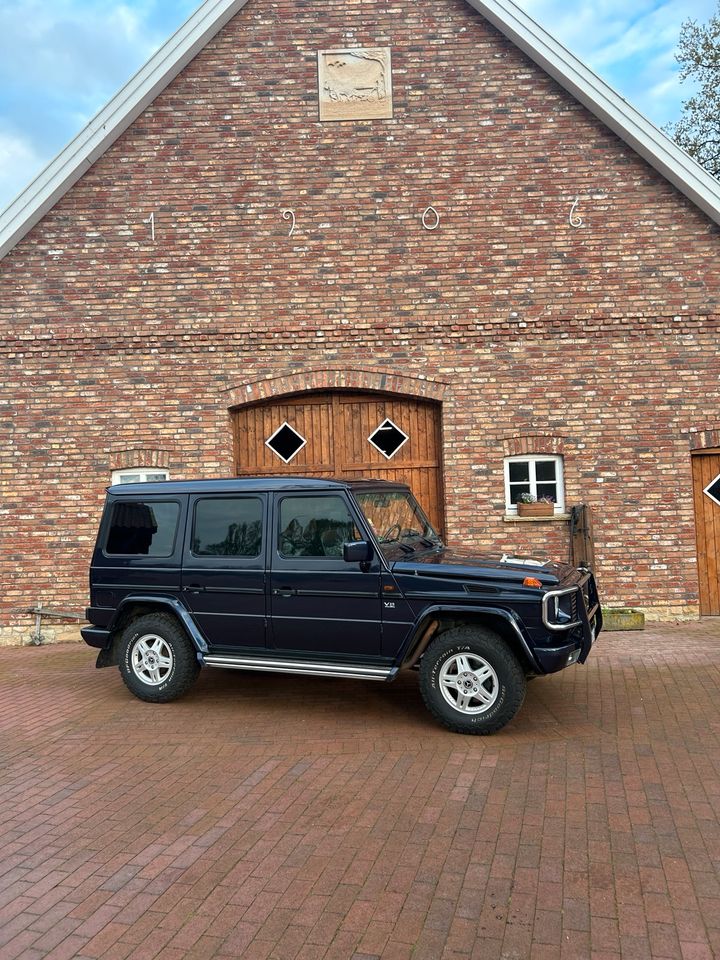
[
  {"x": 712, "y": 490},
  {"x": 286, "y": 442},
  {"x": 388, "y": 438}
]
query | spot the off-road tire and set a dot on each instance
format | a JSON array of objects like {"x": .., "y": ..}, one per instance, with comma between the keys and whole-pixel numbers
[
  {"x": 162, "y": 632},
  {"x": 505, "y": 685}
]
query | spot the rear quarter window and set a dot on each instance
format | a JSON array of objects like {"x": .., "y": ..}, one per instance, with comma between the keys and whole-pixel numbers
[{"x": 143, "y": 528}]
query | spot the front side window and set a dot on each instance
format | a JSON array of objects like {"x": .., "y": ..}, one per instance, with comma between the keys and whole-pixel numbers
[
  {"x": 143, "y": 528},
  {"x": 396, "y": 517},
  {"x": 139, "y": 475},
  {"x": 315, "y": 526},
  {"x": 537, "y": 477},
  {"x": 228, "y": 527}
]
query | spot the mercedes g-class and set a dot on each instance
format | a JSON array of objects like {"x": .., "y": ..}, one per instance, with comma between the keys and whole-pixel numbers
[{"x": 329, "y": 578}]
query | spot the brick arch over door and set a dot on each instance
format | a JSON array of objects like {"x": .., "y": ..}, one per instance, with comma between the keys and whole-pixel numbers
[
  {"x": 336, "y": 425},
  {"x": 334, "y": 378}
]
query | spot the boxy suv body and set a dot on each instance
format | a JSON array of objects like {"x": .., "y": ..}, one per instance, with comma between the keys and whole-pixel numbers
[{"x": 330, "y": 578}]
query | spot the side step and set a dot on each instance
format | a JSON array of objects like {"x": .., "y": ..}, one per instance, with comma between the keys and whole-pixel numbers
[{"x": 312, "y": 668}]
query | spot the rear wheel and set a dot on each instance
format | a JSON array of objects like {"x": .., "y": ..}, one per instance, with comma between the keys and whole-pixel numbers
[
  {"x": 158, "y": 662},
  {"x": 471, "y": 681}
]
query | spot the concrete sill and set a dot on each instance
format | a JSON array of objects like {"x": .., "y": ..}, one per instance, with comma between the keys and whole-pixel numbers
[{"x": 513, "y": 518}]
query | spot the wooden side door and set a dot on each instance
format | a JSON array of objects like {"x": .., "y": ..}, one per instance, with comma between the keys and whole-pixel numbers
[
  {"x": 336, "y": 427},
  {"x": 705, "y": 470}
]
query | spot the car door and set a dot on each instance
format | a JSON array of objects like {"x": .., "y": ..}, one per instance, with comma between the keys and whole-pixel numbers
[
  {"x": 320, "y": 604},
  {"x": 223, "y": 579}
]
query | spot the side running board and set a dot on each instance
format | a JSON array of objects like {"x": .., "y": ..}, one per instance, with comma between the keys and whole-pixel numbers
[{"x": 312, "y": 668}]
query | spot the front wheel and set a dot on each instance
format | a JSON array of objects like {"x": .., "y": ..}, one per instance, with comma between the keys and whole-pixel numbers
[
  {"x": 471, "y": 681},
  {"x": 157, "y": 660}
]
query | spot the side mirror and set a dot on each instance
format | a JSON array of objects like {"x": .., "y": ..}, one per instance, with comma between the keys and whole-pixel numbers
[{"x": 359, "y": 551}]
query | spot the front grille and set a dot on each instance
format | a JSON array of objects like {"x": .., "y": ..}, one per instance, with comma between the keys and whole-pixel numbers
[{"x": 574, "y": 615}]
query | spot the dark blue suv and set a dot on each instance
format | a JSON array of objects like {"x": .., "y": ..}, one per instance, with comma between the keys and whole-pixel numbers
[{"x": 329, "y": 578}]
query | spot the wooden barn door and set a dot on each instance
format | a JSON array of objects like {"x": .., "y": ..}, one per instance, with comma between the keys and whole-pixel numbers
[
  {"x": 336, "y": 427},
  {"x": 706, "y": 474}
]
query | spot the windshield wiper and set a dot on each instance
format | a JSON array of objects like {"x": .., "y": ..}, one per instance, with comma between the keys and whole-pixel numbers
[
  {"x": 402, "y": 544},
  {"x": 407, "y": 547},
  {"x": 426, "y": 541}
]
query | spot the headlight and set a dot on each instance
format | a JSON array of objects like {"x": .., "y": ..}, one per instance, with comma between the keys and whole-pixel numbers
[{"x": 562, "y": 608}]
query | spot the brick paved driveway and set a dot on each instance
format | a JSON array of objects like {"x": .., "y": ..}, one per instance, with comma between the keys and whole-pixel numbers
[{"x": 291, "y": 817}]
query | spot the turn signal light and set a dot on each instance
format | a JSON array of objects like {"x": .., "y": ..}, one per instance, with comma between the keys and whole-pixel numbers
[{"x": 532, "y": 582}]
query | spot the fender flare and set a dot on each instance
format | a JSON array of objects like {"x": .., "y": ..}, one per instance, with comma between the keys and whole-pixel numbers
[
  {"x": 417, "y": 644},
  {"x": 172, "y": 604}
]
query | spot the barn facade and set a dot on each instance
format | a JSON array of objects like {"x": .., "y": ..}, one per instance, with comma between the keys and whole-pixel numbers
[{"x": 412, "y": 240}]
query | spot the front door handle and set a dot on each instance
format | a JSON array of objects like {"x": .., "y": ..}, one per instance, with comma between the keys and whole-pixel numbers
[{"x": 285, "y": 592}]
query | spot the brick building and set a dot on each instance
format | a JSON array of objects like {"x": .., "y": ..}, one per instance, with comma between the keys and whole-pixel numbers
[{"x": 327, "y": 214}]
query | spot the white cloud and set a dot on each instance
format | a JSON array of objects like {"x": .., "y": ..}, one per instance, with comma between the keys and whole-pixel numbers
[{"x": 80, "y": 48}]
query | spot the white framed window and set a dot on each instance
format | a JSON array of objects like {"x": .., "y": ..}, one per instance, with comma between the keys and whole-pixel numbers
[
  {"x": 540, "y": 475},
  {"x": 140, "y": 475}
]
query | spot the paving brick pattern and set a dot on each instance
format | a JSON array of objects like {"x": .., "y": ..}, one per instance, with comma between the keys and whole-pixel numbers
[{"x": 282, "y": 817}]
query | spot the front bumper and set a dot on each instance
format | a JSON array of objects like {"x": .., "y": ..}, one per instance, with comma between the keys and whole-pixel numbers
[{"x": 552, "y": 659}]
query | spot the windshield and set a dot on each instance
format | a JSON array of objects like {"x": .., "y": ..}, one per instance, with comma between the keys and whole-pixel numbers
[{"x": 396, "y": 517}]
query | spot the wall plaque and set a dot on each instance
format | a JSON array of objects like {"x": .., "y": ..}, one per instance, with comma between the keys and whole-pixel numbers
[{"x": 355, "y": 84}]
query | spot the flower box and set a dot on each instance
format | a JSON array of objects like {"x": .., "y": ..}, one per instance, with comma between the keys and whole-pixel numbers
[{"x": 536, "y": 509}]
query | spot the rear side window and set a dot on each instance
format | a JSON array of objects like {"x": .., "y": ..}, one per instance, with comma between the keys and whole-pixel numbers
[
  {"x": 143, "y": 528},
  {"x": 228, "y": 527}
]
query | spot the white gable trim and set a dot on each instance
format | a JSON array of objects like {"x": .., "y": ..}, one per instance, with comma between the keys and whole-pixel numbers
[
  {"x": 103, "y": 130},
  {"x": 622, "y": 118}
]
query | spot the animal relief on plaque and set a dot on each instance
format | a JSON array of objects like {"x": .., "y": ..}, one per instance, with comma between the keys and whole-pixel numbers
[{"x": 355, "y": 84}]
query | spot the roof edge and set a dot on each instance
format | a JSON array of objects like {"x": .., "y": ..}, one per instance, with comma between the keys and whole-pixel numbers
[
  {"x": 115, "y": 117},
  {"x": 654, "y": 146}
]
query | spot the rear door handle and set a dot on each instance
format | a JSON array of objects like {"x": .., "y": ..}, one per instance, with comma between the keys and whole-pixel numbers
[
  {"x": 194, "y": 588},
  {"x": 285, "y": 592}
]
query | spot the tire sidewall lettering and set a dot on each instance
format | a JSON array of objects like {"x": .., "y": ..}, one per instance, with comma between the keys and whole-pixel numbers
[{"x": 129, "y": 647}]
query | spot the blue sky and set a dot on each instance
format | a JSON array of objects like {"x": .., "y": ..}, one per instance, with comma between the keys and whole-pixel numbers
[{"x": 60, "y": 61}]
